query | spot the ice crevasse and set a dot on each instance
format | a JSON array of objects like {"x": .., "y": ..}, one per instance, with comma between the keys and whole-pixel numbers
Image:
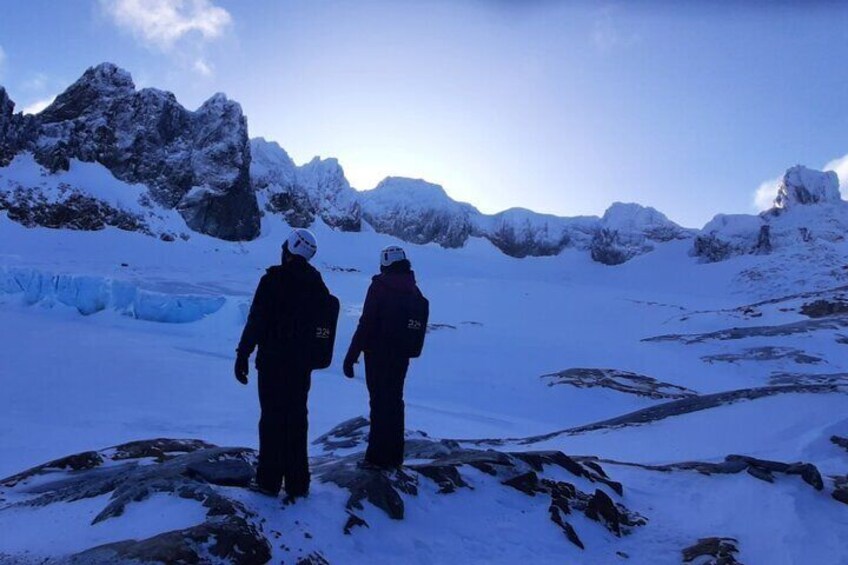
[{"x": 92, "y": 294}]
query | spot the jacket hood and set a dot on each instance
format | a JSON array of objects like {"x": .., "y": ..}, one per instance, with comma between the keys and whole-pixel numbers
[
  {"x": 397, "y": 281},
  {"x": 300, "y": 270}
]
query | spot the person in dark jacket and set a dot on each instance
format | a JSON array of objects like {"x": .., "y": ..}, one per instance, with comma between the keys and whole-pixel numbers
[
  {"x": 385, "y": 368},
  {"x": 284, "y": 373}
]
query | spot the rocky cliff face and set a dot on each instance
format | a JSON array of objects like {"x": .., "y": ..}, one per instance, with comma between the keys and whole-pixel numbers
[
  {"x": 317, "y": 189},
  {"x": 195, "y": 162},
  {"x": 807, "y": 211}
]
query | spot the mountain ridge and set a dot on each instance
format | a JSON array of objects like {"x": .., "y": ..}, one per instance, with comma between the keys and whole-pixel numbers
[{"x": 204, "y": 166}]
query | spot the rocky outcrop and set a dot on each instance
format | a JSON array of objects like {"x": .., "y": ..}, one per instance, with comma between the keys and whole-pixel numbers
[
  {"x": 317, "y": 189},
  {"x": 792, "y": 328},
  {"x": 765, "y": 353},
  {"x": 713, "y": 551},
  {"x": 444, "y": 462},
  {"x": 671, "y": 409},
  {"x": 801, "y": 186},
  {"x": 808, "y": 209},
  {"x": 132, "y": 474},
  {"x": 195, "y": 162},
  {"x": 620, "y": 381},
  {"x": 237, "y": 526}
]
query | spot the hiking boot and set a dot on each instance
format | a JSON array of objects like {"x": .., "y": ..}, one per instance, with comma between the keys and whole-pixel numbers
[
  {"x": 256, "y": 487},
  {"x": 290, "y": 499}
]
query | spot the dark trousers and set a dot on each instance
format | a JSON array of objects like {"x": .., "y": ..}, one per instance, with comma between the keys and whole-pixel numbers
[
  {"x": 385, "y": 377},
  {"x": 283, "y": 394}
]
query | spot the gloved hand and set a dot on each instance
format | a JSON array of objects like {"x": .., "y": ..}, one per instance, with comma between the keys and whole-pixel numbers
[
  {"x": 242, "y": 368},
  {"x": 347, "y": 366}
]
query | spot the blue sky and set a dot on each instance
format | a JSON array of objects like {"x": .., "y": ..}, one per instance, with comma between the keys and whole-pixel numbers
[{"x": 561, "y": 107}]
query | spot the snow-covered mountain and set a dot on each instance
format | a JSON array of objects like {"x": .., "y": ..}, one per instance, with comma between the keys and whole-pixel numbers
[
  {"x": 197, "y": 163},
  {"x": 107, "y": 154},
  {"x": 201, "y": 165},
  {"x": 808, "y": 213},
  {"x": 317, "y": 189}
]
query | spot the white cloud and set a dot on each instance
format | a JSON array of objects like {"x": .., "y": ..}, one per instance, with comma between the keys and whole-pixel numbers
[
  {"x": 202, "y": 67},
  {"x": 766, "y": 193},
  {"x": 38, "y": 105},
  {"x": 163, "y": 23},
  {"x": 2, "y": 60},
  {"x": 180, "y": 28},
  {"x": 840, "y": 167}
]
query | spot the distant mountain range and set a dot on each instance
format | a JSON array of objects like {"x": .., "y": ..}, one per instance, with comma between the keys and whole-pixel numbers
[{"x": 106, "y": 154}]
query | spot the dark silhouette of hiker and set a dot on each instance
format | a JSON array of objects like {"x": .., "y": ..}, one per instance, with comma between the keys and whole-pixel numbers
[
  {"x": 284, "y": 369},
  {"x": 390, "y": 332}
]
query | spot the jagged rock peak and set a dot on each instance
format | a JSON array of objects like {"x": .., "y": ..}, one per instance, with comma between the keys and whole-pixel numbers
[
  {"x": 7, "y": 107},
  {"x": 108, "y": 76},
  {"x": 801, "y": 185}
]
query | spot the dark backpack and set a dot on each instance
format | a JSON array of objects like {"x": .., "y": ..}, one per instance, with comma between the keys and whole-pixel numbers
[
  {"x": 404, "y": 324},
  {"x": 315, "y": 328}
]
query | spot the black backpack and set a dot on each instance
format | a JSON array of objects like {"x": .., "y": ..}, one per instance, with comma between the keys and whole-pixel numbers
[
  {"x": 315, "y": 328},
  {"x": 404, "y": 324}
]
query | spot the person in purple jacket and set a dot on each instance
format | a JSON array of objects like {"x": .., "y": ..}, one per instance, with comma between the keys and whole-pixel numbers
[{"x": 385, "y": 365}]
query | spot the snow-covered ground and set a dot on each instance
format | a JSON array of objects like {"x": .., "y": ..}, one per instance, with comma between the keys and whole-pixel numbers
[{"x": 113, "y": 336}]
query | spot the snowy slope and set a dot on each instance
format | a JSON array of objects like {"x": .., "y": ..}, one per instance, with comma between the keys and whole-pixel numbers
[
  {"x": 670, "y": 407},
  {"x": 115, "y": 371}
]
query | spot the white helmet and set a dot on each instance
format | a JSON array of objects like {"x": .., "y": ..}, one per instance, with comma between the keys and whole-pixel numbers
[
  {"x": 302, "y": 242},
  {"x": 391, "y": 254}
]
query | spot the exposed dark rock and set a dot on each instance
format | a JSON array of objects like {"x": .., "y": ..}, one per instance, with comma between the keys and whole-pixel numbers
[
  {"x": 670, "y": 409},
  {"x": 446, "y": 476},
  {"x": 607, "y": 250},
  {"x": 314, "y": 558},
  {"x": 840, "y": 441},
  {"x": 447, "y": 459},
  {"x": 353, "y": 521},
  {"x": 351, "y": 433},
  {"x": 229, "y": 472},
  {"x": 437, "y": 327},
  {"x": 761, "y": 469},
  {"x": 794, "y": 328},
  {"x": 160, "y": 449},
  {"x": 823, "y": 308},
  {"x": 601, "y": 508},
  {"x": 196, "y": 471},
  {"x": 76, "y": 211},
  {"x": 621, "y": 381},
  {"x": 231, "y": 539},
  {"x": 782, "y": 379},
  {"x": 197, "y": 162},
  {"x": 79, "y": 462},
  {"x": 135, "y": 472},
  {"x": 713, "y": 551},
  {"x": 763, "y": 245},
  {"x": 840, "y": 489},
  {"x": 767, "y": 353},
  {"x": 380, "y": 488},
  {"x": 528, "y": 483},
  {"x": 711, "y": 248}
]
